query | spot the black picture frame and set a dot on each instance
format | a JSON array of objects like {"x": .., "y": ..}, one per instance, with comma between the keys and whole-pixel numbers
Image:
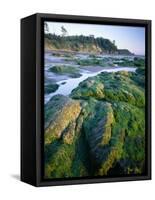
[{"x": 32, "y": 93}]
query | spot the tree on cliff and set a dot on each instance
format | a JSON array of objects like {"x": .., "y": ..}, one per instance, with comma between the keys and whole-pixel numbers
[{"x": 64, "y": 31}]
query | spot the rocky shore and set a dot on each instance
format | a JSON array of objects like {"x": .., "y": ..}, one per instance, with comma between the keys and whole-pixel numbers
[{"x": 99, "y": 130}]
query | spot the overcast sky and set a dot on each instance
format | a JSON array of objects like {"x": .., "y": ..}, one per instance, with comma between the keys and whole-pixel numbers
[{"x": 131, "y": 38}]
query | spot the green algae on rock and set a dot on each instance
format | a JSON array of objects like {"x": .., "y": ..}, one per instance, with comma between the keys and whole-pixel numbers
[
  {"x": 58, "y": 119},
  {"x": 51, "y": 88},
  {"x": 99, "y": 130},
  {"x": 119, "y": 86},
  {"x": 69, "y": 70}
]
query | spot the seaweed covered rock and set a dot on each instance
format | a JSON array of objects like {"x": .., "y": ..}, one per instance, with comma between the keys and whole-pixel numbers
[
  {"x": 99, "y": 130},
  {"x": 89, "y": 88},
  {"x": 97, "y": 123},
  {"x": 128, "y": 136},
  {"x": 112, "y": 131},
  {"x": 60, "y": 112},
  {"x": 120, "y": 86},
  {"x": 69, "y": 70},
  {"x": 69, "y": 132},
  {"x": 66, "y": 153},
  {"x": 139, "y": 77},
  {"x": 51, "y": 88}
]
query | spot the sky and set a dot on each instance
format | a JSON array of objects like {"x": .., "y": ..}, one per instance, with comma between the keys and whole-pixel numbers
[{"x": 126, "y": 37}]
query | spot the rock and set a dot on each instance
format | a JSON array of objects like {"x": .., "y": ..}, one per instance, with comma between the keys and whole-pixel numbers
[
  {"x": 98, "y": 130},
  {"x": 120, "y": 86},
  {"x": 66, "y": 153},
  {"x": 114, "y": 154},
  {"x": 69, "y": 70},
  {"x": 51, "y": 88},
  {"x": 69, "y": 132},
  {"x": 60, "y": 112},
  {"x": 99, "y": 121},
  {"x": 89, "y": 88}
]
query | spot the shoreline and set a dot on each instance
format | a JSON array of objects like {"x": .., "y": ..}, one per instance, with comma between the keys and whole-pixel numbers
[
  {"x": 90, "y": 53},
  {"x": 72, "y": 83}
]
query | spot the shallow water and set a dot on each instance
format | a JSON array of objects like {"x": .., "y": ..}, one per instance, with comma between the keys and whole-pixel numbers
[{"x": 72, "y": 83}]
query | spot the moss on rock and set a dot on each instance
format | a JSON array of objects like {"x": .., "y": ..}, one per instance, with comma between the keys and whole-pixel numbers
[
  {"x": 69, "y": 70},
  {"x": 89, "y": 88},
  {"x": 120, "y": 86},
  {"x": 65, "y": 111},
  {"x": 99, "y": 130},
  {"x": 51, "y": 88}
]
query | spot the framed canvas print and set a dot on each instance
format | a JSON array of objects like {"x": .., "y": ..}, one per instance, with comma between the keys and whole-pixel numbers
[{"x": 85, "y": 99}]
